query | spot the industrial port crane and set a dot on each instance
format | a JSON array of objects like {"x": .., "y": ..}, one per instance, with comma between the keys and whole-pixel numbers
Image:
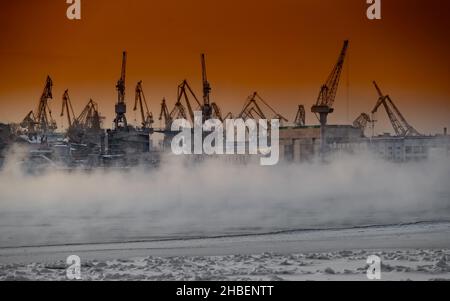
[
  {"x": 328, "y": 91},
  {"x": 327, "y": 95},
  {"x": 185, "y": 92},
  {"x": 401, "y": 127},
  {"x": 68, "y": 109},
  {"x": 252, "y": 108},
  {"x": 44, "y": 116},
  {"x": 179, "y": 111},
  {"x": 146, "y": 116},
  {"x": 120, "y": 121},
  {"x": 184, "y": 108},
  {"x": 42, "y": 121},
  {"x": 209, "y": 109},
  {"x": 90, "y": 118},
  {"x": 300, "y": 118},
  {"x": 89, "y": 122}
]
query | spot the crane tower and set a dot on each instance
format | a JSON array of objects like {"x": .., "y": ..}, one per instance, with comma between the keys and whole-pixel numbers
[
  {"x": 327, "y": 95},
  {"x": 120, "y": 121}
]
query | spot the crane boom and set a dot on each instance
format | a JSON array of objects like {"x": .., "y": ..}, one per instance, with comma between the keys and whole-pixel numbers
[
  {"x": 206, "y": 85},
  {"x": 329, "y": 90},
  {"x": 252, "y": 105},
  {"x": 184, "y": 89},
  {"x": 207, "y": 110},
  {"x": 121, "y": 82},
  {"x": 178, "y": 112},
  {"x": 165, "y": 114},
  {"x": 146, "y": 116},
  {"x": 29, "y": 122},
  {"x": 217, "y": 113},
  {"x": 327, "y": 95},
  {"x": 90, "y": 118},
  {"x": 87, "y": 125},
  {"x": 398, "y": 121},
  {"x": 44, "y": 118},
  {"x": 67, "y": 107}
]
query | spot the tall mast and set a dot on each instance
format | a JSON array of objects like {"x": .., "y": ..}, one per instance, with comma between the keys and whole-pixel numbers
[
  {"x": 121, "y": 108},
  {"x": 206, "y": 108}
]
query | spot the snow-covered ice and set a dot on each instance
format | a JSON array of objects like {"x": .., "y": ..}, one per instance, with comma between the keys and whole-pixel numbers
[
  {"x": 343, "y": 265},
  {"x": 295, "y": 255}
]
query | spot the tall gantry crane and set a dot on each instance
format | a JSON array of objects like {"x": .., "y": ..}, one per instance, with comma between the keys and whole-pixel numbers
[
  {"x": 120, "y": 121},
  {"x": 300, "y": 118},
  {"x": 146, "y": 116},
  {"x": 209, "y": 109},
  {"x": 401, "y": 127},
  {"x": 42, "y": 121},
  {"x": 68, "y": 109},
  {"x": 327, "y": 95},
  {"x": 44, "y": 116}
]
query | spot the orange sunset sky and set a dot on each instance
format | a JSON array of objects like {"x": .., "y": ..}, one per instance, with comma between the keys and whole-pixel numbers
[{"x": 284, "y": 49}]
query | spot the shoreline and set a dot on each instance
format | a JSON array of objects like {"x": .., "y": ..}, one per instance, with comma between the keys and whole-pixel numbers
[{"x": 413, "y": 236}]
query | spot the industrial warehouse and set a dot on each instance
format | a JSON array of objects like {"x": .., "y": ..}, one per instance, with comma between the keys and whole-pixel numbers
[{"x": 86, "y": 144}]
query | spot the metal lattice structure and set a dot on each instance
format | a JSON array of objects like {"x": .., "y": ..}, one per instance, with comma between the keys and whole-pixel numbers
[
  {"x": 401, "y": 127},
  {"x": 252, "y": 109},
  {"x": 327, "y": 96},
  {"x": 362, "y": 121},
  {"x": 42, "y": 120},
  {"x": 67, "y": 108},
  {"x": 146, "y": 115},
  {"x": 120, "y": 121}
]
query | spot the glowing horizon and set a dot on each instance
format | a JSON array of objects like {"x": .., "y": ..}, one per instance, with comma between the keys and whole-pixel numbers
[{"x": 282, "y": 49}]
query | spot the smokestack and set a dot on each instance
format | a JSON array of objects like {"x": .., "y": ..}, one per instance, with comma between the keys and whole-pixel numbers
[{"x": 445, "y": 131}]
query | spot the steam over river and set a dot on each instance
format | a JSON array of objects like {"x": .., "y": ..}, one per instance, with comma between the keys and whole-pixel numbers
[{"x": 217, "y": 199}]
